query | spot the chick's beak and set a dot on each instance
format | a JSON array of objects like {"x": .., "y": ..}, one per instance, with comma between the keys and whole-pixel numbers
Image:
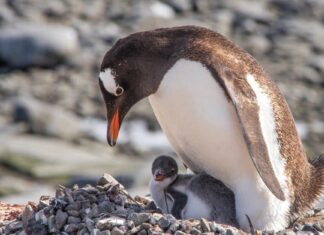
[
  {"x": 159, "y": 176},
  {"x": 113, "y": 129}
]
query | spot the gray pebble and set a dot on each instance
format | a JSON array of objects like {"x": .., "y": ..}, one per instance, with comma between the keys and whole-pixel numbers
[
  {"x": 195, "y": 231},
  {"x": 142, "y": 232},
  {"x": 205, "y": 225},
  {"x": 117, "y": 231},
  {"x": 74, "y": 213},
  {"x": 140, "y": 218},
  {"x": 179, "y": 233},
  {"x": 60, "y": 219},
  {"x": 73, "y": 220},
  {"x": 89, "y": 224},
  {"x": 51, "y": 224},
  {"x": 105, "y": 207},
  {"x": 70, "y": 228},
  {"x": 27, "y": 214},
  {"x": 106, "y": 232},
  {"x": 135, "y": 230},
  {"x": 229, "y": 232},
  {"x": 164, "y": 223}
]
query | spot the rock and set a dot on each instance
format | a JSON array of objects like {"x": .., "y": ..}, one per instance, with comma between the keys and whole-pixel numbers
[
  {"x": 109, "y": 223},
  {"x": 179, "y": 6},
  {"x": 14, "y": 226},
  {"x": 179, "y": 233},
  {"x": 142, "y": 232},
  {"x": 161, "y": 10},
  {"x": 229, "y": 231},
  {"x": 106, "y": 232},
  {"x": 46, "y": 119},
  {"x": 30, "y": 44},
  {"x": 52, "y": 224},
  {"x": 309, "y": 228},
  {"x": 105, "y": 206},
  {"x": 258, "y": 44},
  {"x": 70, "y": 228},
  {"x": 117, "y": 231},
  {"x": 73, "y": 220},
  {"x": 60, "y": 219},
  {"x": 41, "y": 217},
  {"x": 164, "y": 223},
  {"x": 139, "y": 218},
  {"x": 27, "y": 215},
  {"x": 205, "y": 225},
  {"x": 107, "y": 179},
  {"x": 195, "y": 231}
]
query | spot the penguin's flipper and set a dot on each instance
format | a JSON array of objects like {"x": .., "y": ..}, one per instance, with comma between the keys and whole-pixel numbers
[{"x": 245, "y": 102}]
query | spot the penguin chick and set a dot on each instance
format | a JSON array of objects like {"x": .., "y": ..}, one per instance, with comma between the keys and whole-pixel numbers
[{"x": 188, "y": 196}]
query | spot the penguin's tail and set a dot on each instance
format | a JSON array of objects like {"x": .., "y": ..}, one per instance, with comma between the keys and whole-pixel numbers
[
  {"x": 312, "y": 191},
  {"x": 317, "y": 175}
]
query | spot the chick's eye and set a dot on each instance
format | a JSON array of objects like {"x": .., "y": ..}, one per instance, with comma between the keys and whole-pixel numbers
[{"x": 119, "y": 91}]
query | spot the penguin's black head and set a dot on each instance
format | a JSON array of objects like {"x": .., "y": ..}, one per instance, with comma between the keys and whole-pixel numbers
[
  {"x": 132, "y": 70},
  {"x": 164, "y": 167}
]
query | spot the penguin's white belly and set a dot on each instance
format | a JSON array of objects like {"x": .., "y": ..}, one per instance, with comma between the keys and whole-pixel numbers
[
  {"x": 196, "y": 208},
  {"x": 203, "y": 127}
]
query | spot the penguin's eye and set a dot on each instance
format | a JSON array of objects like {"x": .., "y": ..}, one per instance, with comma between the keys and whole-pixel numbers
[{"x": 119, "y": 91}]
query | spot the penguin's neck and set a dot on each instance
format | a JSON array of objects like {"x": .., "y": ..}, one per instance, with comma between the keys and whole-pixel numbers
[
  {"x": 158, "y": 190},
  {"x": 203, "y": 128}
]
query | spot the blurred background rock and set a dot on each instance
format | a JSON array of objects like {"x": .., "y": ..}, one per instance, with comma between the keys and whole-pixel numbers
[{"x": 52, "y": 118}]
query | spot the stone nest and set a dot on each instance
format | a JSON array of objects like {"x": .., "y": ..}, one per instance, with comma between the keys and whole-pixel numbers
[{"x": 108, "y": 209}]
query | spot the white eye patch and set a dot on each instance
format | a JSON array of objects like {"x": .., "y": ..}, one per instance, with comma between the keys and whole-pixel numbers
[{"x": 109, "y": 82}]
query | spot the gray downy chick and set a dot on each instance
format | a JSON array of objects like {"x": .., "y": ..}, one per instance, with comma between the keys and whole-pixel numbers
[{"x": 188, "y": 196}]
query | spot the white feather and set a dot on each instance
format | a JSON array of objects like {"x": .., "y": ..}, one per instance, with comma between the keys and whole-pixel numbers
[
  {"x": 157, "y": 190},
  {"x": 195, "y": 208},
  {"x": 203, "y": 127},
  {"x": 108, "y": 81}
]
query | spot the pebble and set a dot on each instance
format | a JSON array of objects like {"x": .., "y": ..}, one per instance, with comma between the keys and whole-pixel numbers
[
  {"x": 81, "y": 216},
  {"x": 70, "y": 228},
  {"x": 164, "y": 223},
  {"x": 116, "y": 231},
  {"x": 30, "y": 44},
  {"x": 140, "y": 218},
  {"x": 205, "y": 225},
  {"x": 73, "y": 220},
  {"x": 60, "y": 219}
]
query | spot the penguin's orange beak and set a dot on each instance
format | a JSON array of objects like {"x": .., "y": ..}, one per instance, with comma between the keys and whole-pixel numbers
[
  {"x": 159, "y": 177},
  {"x": 113, "y": 128}
]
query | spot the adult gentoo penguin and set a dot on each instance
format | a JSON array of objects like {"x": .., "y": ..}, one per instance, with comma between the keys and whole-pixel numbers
[{"x": 222, "y": 114}]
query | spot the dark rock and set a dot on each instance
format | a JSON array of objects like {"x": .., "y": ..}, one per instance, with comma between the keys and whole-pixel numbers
[
  {"x": 70, "y": 228},
  {"x": 107, "y": 179},
  {"x": 309, "y": 228},
  {"x": 73, "y": 220},
  {"x": 142, "y": 232},
  {"x": 164, "y": 223},
  {"x": 27, "y": 215},
  {"x": 52, "y": 224},
  {"x": 14, "y": 226},
  {"x": 60, "y": 219},
  {"x": 105, "y": 206},
  {"x": 28, "y": 44},
  {"x": 195, "y": 231},
  {"x": 139, "y": 218},
  {"x": 117, "y": 231}
]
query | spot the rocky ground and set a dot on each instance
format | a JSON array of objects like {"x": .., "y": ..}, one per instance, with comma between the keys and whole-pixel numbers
[
  {"x": 107, "y": 209},
  {"x": 52, "y": 118}
]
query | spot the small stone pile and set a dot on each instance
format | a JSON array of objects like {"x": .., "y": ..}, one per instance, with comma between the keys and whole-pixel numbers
[
  {"x": 108, "y": 209},
  {"x": 102, "y": 210}
]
